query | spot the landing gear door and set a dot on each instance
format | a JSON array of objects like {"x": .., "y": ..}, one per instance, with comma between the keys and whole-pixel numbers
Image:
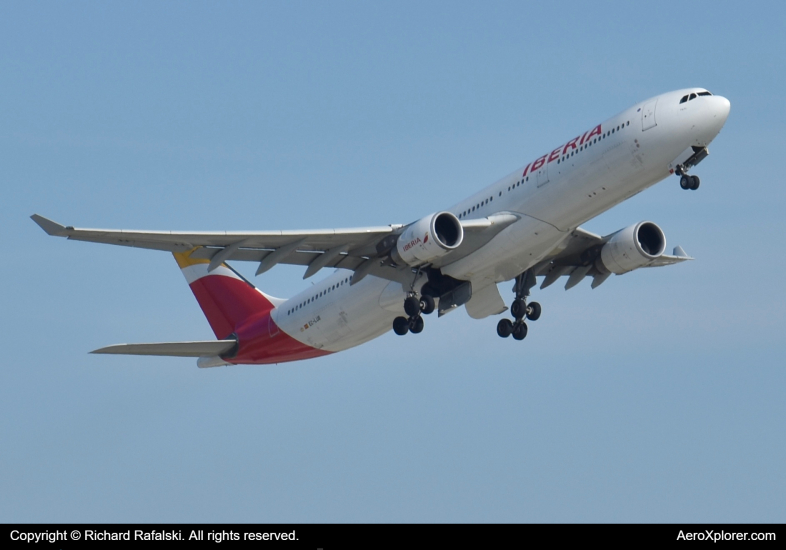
[{"x": 648, "y": 115}]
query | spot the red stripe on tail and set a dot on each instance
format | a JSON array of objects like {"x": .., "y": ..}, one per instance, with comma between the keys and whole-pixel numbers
[{"x": 228, "y": 302}]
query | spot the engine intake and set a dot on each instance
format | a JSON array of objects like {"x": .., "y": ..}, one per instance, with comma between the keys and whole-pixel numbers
[
  {"x": 427, "y": 239},
  {"x": 632, "y": 248}
]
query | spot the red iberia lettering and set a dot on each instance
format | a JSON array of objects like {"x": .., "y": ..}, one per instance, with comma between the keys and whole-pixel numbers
[
  {"x": 595, "y": 132},
  {"x": 411, "y": 243},
  {"x": 563, "y": 150},
  {"x": 539, "y": 163},
  {"x": 571, "y": 143}
]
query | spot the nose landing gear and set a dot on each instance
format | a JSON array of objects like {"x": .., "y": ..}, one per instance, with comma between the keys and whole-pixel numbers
[
  {"x": 520, "y": 309},
  {"x": 687, "y": 181},
  {"x": 695, "y": 154}
]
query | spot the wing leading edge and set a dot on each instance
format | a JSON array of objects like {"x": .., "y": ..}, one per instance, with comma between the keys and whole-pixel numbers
[
  {"x": 354, "y": 249},
  {"x": 576, "y": 259}
]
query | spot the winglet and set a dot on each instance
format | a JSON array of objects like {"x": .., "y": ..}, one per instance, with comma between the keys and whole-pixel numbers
[
  {"x": 51, "y": 228},
  {"x": 678, "y": 251}
]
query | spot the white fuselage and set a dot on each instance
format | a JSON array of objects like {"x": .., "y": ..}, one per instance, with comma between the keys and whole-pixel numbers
[{"x": 553, "y": 195}]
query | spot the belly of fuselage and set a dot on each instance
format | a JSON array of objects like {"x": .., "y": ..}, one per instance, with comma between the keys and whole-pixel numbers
[{"x": 335, "y": 319}]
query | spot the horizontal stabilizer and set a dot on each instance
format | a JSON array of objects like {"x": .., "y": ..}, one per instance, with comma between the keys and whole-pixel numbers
[{"x": 172, "y": 349}]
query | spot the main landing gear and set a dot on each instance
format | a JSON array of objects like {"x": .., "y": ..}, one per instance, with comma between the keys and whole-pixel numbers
[
  {"x": 687, "y": 181},
  {"x": 520, "y": 309},
  {"x": 413, "y": 307}
]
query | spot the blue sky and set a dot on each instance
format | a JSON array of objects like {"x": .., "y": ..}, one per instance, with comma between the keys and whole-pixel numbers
[{"x": 656, "y": 397}]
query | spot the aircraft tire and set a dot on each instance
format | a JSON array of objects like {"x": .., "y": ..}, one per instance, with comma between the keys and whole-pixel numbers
[
  {"x": 504, "y": 328},
  {"x": 694, "y": 182},
  {"x": 412, "y": 306},
  {"x": 427, "y": 304},
  {"x": 533, "y": 311},
  {"x": 401, "y": 325},
  {"x": 416, "y": 325},
  {"x": 520, "y": 331},
  {"x": 518, "y": 308},
  {"x": 685, "y": 181}
]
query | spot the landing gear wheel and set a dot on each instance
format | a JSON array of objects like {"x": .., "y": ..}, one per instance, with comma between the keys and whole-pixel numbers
[
  {"x": 685, "y": 182},
  {"x": 504, "y": 328},
  {"x": 401, "y": 325},
  {"x": 416, "y": 325},
  {"x": 518, "y": 308},
  {"x": 520, "y": 331},
  {"x": 694, "y": 182},
  {"x": 533, "y": 311},
  {"x": 412, "y": 306},
  {"x": 426, "y": 304}
]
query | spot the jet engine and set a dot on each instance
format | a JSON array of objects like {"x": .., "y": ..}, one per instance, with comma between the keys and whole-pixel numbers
[
  {"x": 631, "y": 248},
  {"x": 427, "y": 239}
]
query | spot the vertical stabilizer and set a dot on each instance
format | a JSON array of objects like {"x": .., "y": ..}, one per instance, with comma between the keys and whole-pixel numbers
[{"x": 226, "y": 298}]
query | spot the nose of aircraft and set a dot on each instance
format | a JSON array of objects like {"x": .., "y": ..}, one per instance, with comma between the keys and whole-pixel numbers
[
  {"x": 719, "y": 112},
  {"x": 722, "y": 107},
  {"x": 711, "y": 117}
]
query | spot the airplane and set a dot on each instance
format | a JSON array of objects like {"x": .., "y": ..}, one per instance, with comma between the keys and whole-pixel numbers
[{"x": 524, "y": 226}]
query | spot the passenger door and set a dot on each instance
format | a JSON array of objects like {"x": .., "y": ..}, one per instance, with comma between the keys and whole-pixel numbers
[{"x": 648, "y": 115}]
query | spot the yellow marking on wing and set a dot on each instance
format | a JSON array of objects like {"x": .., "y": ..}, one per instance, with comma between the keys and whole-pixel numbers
[{"x": 184, "y": 259}]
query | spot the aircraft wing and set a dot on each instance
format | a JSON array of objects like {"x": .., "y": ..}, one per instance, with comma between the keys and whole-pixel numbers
[
  {"x": 576, "y": 260},
  {"x": 345, "y": 248},
  {"x": 359, "y": 249}
]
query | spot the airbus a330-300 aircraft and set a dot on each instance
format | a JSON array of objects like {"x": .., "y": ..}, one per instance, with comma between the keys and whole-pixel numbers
[{"x": 524, "y": 226}]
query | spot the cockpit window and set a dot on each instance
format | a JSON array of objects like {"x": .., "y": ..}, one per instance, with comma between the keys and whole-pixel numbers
[{"x": 693, "y": 96}]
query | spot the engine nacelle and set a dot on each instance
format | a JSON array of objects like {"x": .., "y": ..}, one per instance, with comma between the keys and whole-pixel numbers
[
  {"x": 631, "y": 248},
  {"x": 427, "y": 239}
]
